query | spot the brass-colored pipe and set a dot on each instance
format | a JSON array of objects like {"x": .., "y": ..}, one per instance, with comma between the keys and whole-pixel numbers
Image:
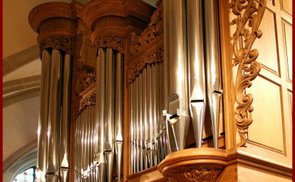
[
  {"x": 43, "y": 121},
  {"x": 54, "y": 114},
  {"x": 154, "y": 111}
]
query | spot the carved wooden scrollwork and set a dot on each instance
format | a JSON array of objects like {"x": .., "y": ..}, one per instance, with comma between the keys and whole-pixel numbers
[
  {"x": 154, "y": 57},
  {"x": 248, "y": 16},
  {"x": 113, "y": 41},
  {"x": 194, "y": 174},
  {"x": 85, "y": 88},
  {"x": 154, "y": 29},
  {"x": 61, "y": 43}
]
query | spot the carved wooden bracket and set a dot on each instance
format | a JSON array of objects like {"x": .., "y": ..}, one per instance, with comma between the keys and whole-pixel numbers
[
  {"x": 249, "y": 14},
  {"x": 194, "y": 165}
]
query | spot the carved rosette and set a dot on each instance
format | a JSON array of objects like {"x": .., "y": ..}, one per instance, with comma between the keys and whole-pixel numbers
[
  {"x": 194, "y": 165},
  {"x": 248, "y": 16},
  {"x": 154, "y": 57}
]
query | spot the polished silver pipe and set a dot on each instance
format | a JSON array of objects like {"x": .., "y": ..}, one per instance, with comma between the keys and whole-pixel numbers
[
  {"x": 150, "y": 114},
  {"x": 65, "y": 122},
  {"x": 132, "y": 129},
  {"x": 197, "y": 87},
  {"x": 175, "y": 45},
  {"x": 43, "y": 120},
  {"x": 154, "y": 88},
  {"x": 109, "y": 146},
  {"x": 64, "y": 175},
  {"x": 100, "y": 114},
  {"x": 214, "y": 85},
  {"x": 136, "y": 126},
  {"x": 119, "y": 113},
  {"x": 144, "y": 120},
  {"x": 141, "y": 121},
  {"x": 54, "y": 114}
]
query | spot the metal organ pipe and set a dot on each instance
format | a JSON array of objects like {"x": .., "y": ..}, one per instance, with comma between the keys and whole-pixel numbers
[
  {"x": 54, "y": 118},
  {"x": 197, "y": 87},
  {"x": 43, "y": 121},
  {"x": 119, "y": 113},
  {"x": 214, "y": 85},
  {"x": 65, "y": 122}
]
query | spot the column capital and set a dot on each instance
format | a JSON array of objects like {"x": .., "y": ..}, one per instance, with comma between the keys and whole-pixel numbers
[
  {"x": 110, "y": 20},
  {"x": 55, "y": 22}
]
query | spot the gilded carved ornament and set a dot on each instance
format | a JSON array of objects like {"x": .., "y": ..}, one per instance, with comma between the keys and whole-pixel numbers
[{"x": 248, "y": 16}]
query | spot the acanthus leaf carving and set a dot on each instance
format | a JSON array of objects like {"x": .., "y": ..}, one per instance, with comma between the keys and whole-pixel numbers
[
  {"x": 112, "y": 41},
  {"x": 134, "y": 70},
  {"x": 154, "y": 29},
  {"x": 249, "y": 15},
  {"x": 61, "y": 43}
]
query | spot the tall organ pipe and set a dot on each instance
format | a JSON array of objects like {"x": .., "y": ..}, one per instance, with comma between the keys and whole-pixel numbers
[
  {"x": 43, "y": 121},
  {"x": 176, "y": 76},
  {"x": 197, "y": 87},
  {"x": 100, "y": 100},
  {"x": 65, "y": 122},
  {"x": 109, "y": 119},
  {"x": 54, "y": 117},
  {"x": 119, "y": 113},
  {"x": 214, "y": 86}
]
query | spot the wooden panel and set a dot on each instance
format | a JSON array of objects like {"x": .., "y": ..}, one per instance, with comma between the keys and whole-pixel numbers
[
  {"x": 268, "y": 55},
  {"x": 287, "y": 31},
  {"x": 248, "y": 173},
  {"x": 287, "y": 6},
  {"x": 267, "y": 128}
]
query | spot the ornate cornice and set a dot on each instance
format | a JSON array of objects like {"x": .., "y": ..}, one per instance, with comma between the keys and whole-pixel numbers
[
  {"x": 55, "y": 22},
  {"x": 154, "y": 29},
  {"x": 248, "y": 16},
  {"x": 134, "y": 70},
  {"x": 111, "y": 20}
]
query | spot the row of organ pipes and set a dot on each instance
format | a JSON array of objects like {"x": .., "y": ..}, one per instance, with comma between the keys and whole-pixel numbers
[
  {"x": 164, "y": 98},
  {"x": 53, "y": 126},
  {"x": 98, "y": 132}
]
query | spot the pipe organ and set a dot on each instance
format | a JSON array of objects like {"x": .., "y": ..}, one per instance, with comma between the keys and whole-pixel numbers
[{"x": 127, "y": 89}]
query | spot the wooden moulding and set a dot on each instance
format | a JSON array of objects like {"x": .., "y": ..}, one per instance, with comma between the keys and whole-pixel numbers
[
  {"x": 196, "y": 164},
  {"x": 111, "y": 21},
  {"x": 55, "y": 23}
]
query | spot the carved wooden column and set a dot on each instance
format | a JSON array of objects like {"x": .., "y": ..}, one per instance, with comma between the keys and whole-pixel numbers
[
  {"x": 55, "y": 23},
  {"x": 110, "y": 23}
]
